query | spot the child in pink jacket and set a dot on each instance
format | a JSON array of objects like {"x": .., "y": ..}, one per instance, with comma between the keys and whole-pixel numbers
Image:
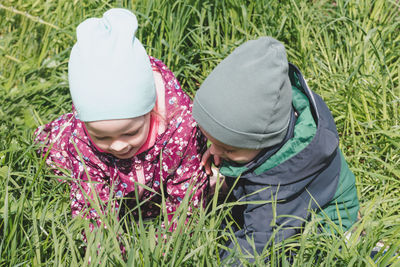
[{"x": 130, "y": 124}]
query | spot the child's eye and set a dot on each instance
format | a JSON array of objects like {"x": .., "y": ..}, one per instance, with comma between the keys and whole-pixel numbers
[
  {"x": 132, "y": 133},
  {"x": 101, "y": 138}
]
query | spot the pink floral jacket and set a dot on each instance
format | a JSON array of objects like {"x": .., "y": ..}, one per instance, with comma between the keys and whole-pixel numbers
[{"x": 173, "y": 161}]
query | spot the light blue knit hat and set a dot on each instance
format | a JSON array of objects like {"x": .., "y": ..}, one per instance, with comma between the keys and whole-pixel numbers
[{"x": 109, "y": 71}]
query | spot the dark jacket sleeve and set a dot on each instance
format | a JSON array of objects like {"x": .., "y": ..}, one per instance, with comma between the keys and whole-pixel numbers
[
  {"x": 265, "y": 217},
  {"x": 272, "y": 213}
]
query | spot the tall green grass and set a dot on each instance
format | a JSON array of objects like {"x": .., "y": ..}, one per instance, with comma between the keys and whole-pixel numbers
[{"x": 347, "y": 50}]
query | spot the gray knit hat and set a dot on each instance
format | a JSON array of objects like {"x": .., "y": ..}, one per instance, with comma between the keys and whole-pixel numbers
[{"x": 246, "y": 100}]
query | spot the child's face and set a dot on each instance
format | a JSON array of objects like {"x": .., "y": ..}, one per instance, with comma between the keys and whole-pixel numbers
[
  {"x": 230, "y": 153},
  {"x": 122, "y": 138}
]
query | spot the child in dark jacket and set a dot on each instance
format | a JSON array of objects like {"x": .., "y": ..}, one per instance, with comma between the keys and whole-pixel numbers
[{"x": 276, "y": 141}]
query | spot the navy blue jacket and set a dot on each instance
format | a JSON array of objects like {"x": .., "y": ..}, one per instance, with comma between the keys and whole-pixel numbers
[{"x": 307, "y": 180}]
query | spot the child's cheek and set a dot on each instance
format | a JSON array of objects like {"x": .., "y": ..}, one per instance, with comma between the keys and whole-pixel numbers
[
  {"x": 102, "y": 144},
  {"x": 141, "y": 139}
]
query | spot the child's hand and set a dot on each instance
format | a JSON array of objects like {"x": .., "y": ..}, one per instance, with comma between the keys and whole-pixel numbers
[
  {"x": 217, "y": 177},
  {"x": 207, "y": 159}
]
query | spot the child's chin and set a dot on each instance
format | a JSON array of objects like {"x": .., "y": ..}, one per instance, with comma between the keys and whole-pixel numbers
[
  {"x": 235, "y": 162},
  {"x": 127, "y": 155}
]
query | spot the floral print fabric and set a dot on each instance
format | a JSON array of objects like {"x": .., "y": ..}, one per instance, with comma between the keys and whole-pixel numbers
[{"x": 173, "y": 161}]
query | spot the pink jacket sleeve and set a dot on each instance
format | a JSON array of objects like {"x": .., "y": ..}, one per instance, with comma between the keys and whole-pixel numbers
[
  {"x": 64, "y": 161},
  {"x": 189, "y": 173},
  {"x": 53, "y": 137}
]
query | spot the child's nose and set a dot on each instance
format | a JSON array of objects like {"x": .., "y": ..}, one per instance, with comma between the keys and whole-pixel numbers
[{"x": 118, "y": 146}]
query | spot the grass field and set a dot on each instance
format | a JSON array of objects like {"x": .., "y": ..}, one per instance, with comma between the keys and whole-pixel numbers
[{"x": 349, "y": 52}]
